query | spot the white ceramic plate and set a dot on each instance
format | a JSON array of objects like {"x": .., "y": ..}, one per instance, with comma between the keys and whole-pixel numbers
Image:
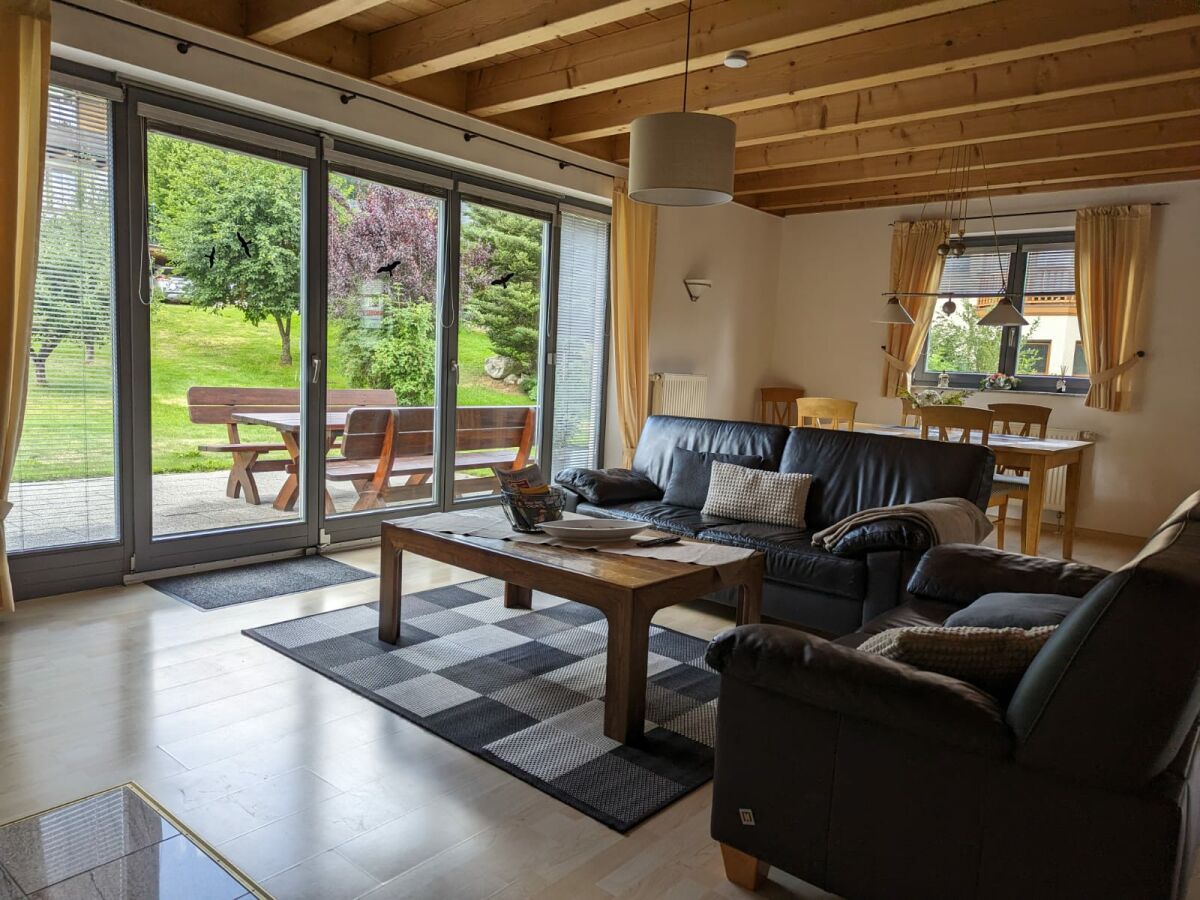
[{"x": 592, "y": 530}]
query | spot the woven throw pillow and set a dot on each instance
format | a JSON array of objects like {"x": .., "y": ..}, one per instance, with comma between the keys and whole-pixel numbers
[
  {"x": 755, "y": 495},
  {"x": 991, "y": 658}
]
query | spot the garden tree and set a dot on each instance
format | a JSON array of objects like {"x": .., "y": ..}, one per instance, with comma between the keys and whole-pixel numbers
[
  {"x": 73, "y": 293},
  {"x": 508, "y": 313},
  {"x": 201, "y": 198},
  {"x": 385, "y": 322},
  {"x": 958, "y": 343}
]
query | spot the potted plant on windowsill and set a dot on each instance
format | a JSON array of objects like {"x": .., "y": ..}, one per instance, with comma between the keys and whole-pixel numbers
[
  {"x": 931, "y": 397},
  {"x": 998, "y": 381}
]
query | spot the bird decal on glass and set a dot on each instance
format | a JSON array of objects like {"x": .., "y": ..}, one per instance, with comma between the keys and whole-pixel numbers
[
  {"x": 503, "y": 280},
  {"x": 390, "y": 268},
  {"x": 211, "y": 256},
  {"x": 246, "y": 245}
]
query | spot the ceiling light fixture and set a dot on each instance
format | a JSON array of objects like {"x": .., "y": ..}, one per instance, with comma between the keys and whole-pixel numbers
[
  {"x": 682, "y": 158},
  {"x": 737, "y": 59}
]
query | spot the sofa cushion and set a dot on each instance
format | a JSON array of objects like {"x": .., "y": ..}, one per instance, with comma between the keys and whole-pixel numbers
[
  {"x": 1010, "y": 610},
  {"x": 915, "y": 613},
  {"x": 662, "y": 434},
  {"x": 691, "y": 471},
  {"x": 993, "y": 659},
  {"x": 853, "y": 471},
  {"x": 792, "y": 559},
  {"x": 663, "y": 516},
  {"x": 605, "y": 486},
  {"x": 756, "y": 496}
]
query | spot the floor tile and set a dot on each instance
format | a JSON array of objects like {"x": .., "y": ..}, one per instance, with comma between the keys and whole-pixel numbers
[
  {"x": 8, "y": 887},
  {"x": 329, "y": 876}
]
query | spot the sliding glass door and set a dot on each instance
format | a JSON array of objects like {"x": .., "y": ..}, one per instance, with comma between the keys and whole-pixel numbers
[
  {"x": 500, "y": 341},
  {"x": 224, "y": 411}
]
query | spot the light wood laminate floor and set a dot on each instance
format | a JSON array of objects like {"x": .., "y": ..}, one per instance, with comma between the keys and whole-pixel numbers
[{"x": 314, "y": 791}]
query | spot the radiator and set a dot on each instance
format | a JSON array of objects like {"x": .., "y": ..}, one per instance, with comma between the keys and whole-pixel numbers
[
  {"x": 1055, "y": 497},
  {"x": 678, "y": 395}
]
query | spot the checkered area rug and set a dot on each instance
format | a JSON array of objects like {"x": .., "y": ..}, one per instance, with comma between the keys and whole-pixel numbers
[{"x": 524, "y": 689}]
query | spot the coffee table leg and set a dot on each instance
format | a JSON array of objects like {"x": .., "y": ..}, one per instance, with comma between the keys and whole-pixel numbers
[
  {"x": 749, "y": 603},
  {"x": 625, "y": 687},
  {"x": 390, "y": 569},
  {"x": 517, "y": 597}
]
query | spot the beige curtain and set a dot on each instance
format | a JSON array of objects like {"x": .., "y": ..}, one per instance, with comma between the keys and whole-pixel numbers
[
  {"x": 24, "y": 80},
  {"x": 916, "y": 268},
  {"x": 1112, "y": 246},
  {"x": 634, "y": 231}
]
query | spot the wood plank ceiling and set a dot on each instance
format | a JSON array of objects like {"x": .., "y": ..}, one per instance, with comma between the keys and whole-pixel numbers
[{"x": 845, "y": 103}]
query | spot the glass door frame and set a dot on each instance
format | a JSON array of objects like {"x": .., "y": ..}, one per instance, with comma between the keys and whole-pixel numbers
[
  {"x": 363, "y": 162},
  {"x": 498, "y": 197},
  {"x": 149, "y": 110}
]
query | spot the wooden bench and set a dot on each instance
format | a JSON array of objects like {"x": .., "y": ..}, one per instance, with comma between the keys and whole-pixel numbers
[
  {"x": 219, "y": 405},
  {"x": 380, "y": 444}
]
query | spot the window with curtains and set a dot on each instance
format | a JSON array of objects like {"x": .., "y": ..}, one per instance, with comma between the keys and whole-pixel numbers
[
  {"x": 1039, "y": 271},
  {"x": 580, "y": 345},
  {"x": 64, "y": 489}
]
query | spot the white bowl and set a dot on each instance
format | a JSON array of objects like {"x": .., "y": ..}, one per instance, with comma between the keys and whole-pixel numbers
[{"x": 593, "y": 530}]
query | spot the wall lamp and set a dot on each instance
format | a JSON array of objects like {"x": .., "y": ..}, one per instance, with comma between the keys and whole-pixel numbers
[{"x": 696, "y": 287}]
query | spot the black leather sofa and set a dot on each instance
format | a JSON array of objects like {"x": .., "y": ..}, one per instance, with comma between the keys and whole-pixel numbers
[
  {"x": 878, "y": 781},
  {"x": 833, "y": 593}
]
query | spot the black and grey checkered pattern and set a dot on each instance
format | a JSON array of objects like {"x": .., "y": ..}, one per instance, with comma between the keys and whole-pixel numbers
[
  {"x": 754, "y": 495},
  {"x": 524, "y": 689}
]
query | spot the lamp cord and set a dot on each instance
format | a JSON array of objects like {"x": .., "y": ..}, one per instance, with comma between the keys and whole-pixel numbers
[{"x": 687, "y": 53}]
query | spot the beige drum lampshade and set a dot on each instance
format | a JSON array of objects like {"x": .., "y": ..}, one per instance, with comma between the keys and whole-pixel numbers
[{"x": 681, "y": 159}]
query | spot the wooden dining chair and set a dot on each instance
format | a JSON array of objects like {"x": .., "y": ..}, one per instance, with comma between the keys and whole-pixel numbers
[
  {"x": 1021, "y": 420},
  {"x": 967, "y": 420},
  {"x": 811, "y": 412},
  {"x": 776, "y": 404}
]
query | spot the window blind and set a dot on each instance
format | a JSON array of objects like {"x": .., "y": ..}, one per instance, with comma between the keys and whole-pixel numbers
[
  {"x": 579, "y": 352},
  {"x": 64, "y": 490},
  {"x": 977, "y": 273},
  {"x": 1050, "y": 272}
]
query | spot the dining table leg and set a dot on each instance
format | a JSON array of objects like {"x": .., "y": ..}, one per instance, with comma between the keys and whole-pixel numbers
[
  {"x": 1071, "y": 506},
  {"x": 1032, "y": 505}
]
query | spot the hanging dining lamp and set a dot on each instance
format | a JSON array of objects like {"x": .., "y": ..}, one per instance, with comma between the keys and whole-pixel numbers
[{"x": 682, "y": 158}]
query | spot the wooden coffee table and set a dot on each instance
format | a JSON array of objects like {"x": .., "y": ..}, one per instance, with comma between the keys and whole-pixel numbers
[{"x": 629, "y": 590}]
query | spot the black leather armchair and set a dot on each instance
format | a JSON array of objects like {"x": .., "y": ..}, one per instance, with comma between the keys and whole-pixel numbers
[{"x": 872, "y": 779}]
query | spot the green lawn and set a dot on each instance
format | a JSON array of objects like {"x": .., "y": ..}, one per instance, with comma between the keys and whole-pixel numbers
[{"x": 68, "y": 431}]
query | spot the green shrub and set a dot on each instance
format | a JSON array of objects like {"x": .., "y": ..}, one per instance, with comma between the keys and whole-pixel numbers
[{"x": 400, "y": 354}]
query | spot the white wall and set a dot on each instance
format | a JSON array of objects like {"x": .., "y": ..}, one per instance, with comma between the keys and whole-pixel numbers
[
  {"x": 834, "y": 266},
  {"x": 726, "y": 334}
]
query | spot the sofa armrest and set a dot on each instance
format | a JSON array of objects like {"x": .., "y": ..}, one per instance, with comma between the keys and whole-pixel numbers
[
  {"x": 605, "y": 487},
  {"x": 881, "y": 535},
  {"x": 863, "y": 686},
  {"x": 962, "y": 573}
]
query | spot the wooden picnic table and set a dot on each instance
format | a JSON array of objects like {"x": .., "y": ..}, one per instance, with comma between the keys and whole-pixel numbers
[
  {"x": 1038, "y": 456},
  {"x": 288, "y": 424}
]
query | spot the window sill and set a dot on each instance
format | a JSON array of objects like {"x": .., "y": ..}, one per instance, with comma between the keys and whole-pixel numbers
[{"x": 931, "y": 385}]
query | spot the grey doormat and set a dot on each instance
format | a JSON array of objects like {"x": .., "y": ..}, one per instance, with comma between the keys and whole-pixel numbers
[
  {"x": 524, "y": 690},
  {"x": 258, "y": 581}
]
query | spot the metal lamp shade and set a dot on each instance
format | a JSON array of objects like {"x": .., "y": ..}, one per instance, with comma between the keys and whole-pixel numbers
[
  {"x": 893, "y": 314},
  {"x": 681, "y": 159},
  {"x": 1004, "y": 313}
]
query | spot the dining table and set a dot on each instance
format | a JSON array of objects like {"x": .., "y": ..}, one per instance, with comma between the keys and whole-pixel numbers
[
  {"x": 1037, "y": 457},
  {"x": 289, "y": 424}
]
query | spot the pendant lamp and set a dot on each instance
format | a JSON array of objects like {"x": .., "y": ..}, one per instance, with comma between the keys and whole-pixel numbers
[
  {"x": 893, "y": 313},
  {"x": 682, "y": 158}
]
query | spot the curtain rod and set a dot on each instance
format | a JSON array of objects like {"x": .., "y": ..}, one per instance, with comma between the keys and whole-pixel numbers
[
  {"x": 1036, "y": 212},
  {"x": 183, "y": 46}
]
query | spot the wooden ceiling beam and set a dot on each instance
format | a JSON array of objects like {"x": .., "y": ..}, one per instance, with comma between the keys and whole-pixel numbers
[
  {"x": 1145, "y": 104},
  {"x": 276, "y": 21},
  {"x": 480, "y": 29},
  {"x": 333, "y": 46},
  {"x": 1152, "y": 162},
  {"x": 1160, "y": 135},
  {"x": 1118, "y": 181},
  {"x": 999, "y": 32},
  {"x": 656, "y": 50}
]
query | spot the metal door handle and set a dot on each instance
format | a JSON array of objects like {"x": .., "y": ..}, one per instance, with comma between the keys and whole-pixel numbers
[
  {"x": 454, "y": 369},
  {"x": 316, "y": 369}
]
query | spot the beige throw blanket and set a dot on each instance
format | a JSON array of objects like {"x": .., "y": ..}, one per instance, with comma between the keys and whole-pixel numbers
[{"x": 949, "y": 520}]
